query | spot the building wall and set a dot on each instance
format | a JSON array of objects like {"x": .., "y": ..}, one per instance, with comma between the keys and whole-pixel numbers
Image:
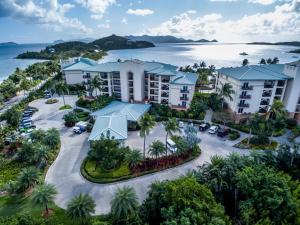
[
  {"x": 74, "y": 77},
  {"x": 176, "y": 94}
]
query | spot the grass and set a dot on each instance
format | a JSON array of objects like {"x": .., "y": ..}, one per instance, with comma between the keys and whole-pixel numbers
[
  {"x": 9, "y": 171},
  {"x": 64, "y": 107},
  {"x": 244, "y": 145},
  {"x": 51, "y": 101}
]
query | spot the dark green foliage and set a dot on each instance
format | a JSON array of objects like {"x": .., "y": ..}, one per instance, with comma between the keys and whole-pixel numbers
[
  {"x": 291, "y": 123},
  {"x": 95, "y": 104},
  {"x": 182, "y": 200}
]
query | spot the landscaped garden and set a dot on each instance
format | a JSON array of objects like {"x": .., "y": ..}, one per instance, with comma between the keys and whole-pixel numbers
[
  {"x": 75, "y": 116},
  {"x": 108, "y": 161},
  {"x": 94, "y": 103}
]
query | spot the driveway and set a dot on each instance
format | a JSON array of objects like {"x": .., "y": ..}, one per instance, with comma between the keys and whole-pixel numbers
[{"x": 64, "y": 173}]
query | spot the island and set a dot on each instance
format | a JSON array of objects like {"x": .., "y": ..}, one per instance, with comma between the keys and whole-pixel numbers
[
  {"x": 297, "y": 51},
  {"x": 94, "y": 50},
  {"x": 165, "y": 39},
  {"x": 289, "y": 43},
  {"x": 10, "y": 43}
]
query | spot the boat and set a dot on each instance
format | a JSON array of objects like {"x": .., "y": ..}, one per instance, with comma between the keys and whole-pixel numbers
[{"x": 243, "y": 53}]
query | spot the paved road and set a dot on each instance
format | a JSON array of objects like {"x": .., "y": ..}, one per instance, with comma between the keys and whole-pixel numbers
[{"x": 64, "y": 173}]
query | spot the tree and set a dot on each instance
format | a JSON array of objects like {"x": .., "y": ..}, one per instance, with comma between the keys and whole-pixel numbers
[
  {"x": 172, "y": 202},
  {"x": 277, "y": 109},
  {"x": 43, "y": 195},
  {"x": 156, "y": 148},
  {"x": 25, "y": 85},
  {"x": 41, "y": 155},
  {"x": 133, "y": 158},
  {"x": 262, "y": 61},
  {"x": 96, "y": 84},
  {"x": 61, "y": 88},
  {"x": 245, "y": 62},
  {"x": 146, "y": 123},
  {"x": 171, "y": 125},
  {"x": 275, "y": 60},
  {"x": 124, "y": 203},
  {"x": 26, "y": 152},
  {"x": 27, "y": 178},
  {"x": 202, "y": 65},
  {"x": 212, "y": 69},
  {"x": 225, "y": 92},
  {"x": 190, "y": 136},
  {"x": 269, "y": 61},
  {"x": 253, "y": 124},
  {"x": 81, "y": 207},
  {"x": 52, "y": 138}
]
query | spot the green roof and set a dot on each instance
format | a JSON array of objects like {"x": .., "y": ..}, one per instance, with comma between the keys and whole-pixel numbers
[
  {"x": 255, "y": 72},
  {"x": 80, "y": 64},
  {"x": 116, "y": 126}
]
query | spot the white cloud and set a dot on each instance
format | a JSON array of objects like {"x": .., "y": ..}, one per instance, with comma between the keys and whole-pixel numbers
[
  {"x": 49, "y": 14},
  {"x": 262, "y": 2},
  {"x": 104, "y": 25},
  {"x": 97, "y": 7},
  {"x": 283, "y": 22},
  {"x": 124, "y": 20},
  {"x": 192, "y": 11},
  {"x": 140, "y": 12},
  {"x": 223, "y": 0}
]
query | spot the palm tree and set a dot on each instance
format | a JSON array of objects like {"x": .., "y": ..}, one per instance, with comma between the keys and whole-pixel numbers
[
  {"x": 253, "y": 125},
  {"x": 43, "y": 195},
  {"x": 124, "y": 202},
  {"x": 81, "y": 207},
  {"x": 146, "y": 123},
  {"x": 212, "y": 68},
  {"x": 262, "y": 61},
  {"x": 41, "y": 155},
  {"x": 202, "y": 65},
  {"x": 269, "y": 61},
  {"x": 275, "y": 60},
  {"x": 133, "y": 158},
  {"x": 226, "y": 91},
  {"x": 25, "y": 85},
  {"x": 171, "y": 126},
  {"x": 195, "y": 66},
  {"x": 96, "y": 83},
  {"x": 156, "y": 148},
  {"x": 277, "y": 109},
  {"x": 61, "y": 88},
  {"x": 28, "y": 177},
  {"x": 245, "y": 62}
]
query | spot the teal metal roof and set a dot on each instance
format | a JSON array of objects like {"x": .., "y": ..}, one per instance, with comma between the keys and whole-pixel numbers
[
  {"x": 116, "y": 126},
  {"x": 105, "y": 67},
  {"x": 254, "y": 72},
  {"x": 80, "y": 64},
  {"x": 185, "y": 78},
  {"x": 133, "y": 112}
]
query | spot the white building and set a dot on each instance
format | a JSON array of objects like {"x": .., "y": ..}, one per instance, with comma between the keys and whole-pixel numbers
[
  {"x": 135, "y": 81},
  {"x": 256, "y": 87}
]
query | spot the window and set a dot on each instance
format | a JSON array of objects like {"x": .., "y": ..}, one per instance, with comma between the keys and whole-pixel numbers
[
  {"x": 240, "y": 110},
  {"x": 280, "y": 83}
]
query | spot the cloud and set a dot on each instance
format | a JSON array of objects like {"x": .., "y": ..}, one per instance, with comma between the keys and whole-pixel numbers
[
  {"x": 124, "y": 20},
  {"x": 97, "y": 7},
  {"x": 262, "y": 2},
  {"x": 284, "y": 20},
  {"x": 49, "y": 14},
  {"x": 104, "y": 25},
  {"x": 223, "y": 0},
  {"x": 192, "y": 11},
  {"x": 140, "y": 12}
]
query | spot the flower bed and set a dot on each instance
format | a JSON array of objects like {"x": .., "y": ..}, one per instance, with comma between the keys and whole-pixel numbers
[
  {"x": 244, "y": 145},
  {"x": 123, "y": 172}
]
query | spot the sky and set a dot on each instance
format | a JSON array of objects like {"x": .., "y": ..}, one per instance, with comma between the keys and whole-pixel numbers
[{"x": 43, "y": 21}]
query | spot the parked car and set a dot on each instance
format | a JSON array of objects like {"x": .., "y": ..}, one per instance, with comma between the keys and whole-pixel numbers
[
  {"x": 204, "y": 126},
  {"x": 80, "y": 127},
  {"x": 222, "y": 132},
  {"x": 171, "y": 146},
  {"x": 213, "y": 129}
]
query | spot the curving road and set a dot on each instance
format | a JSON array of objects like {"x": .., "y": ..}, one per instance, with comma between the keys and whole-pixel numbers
[{"x": 64, "y": 173}]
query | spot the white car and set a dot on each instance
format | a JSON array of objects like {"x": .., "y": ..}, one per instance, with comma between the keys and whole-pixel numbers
[
  {"x": 213, "y": 129},
  {"x": 171, "y": 146}
]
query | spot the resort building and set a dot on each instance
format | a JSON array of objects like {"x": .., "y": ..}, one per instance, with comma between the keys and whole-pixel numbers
[
  {"x": 134, "y": 81},
  {"x": 256, "y": 87}
]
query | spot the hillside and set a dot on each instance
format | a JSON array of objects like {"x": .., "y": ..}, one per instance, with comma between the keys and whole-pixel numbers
[
  {"x": 295, "y": 51},
  {"x": 10, "y": 43},
  {"x": 94, "y": 50},
  {"x": 164, "y": 39},
  {"x": 290, "y": 43}
]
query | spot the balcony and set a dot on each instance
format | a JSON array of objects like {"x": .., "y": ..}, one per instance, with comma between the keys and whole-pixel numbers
[
  {"x": 165, "y": 80},
  {"x": 262, "y": 110},
  {"x": 153, "y": 92},
  {"x": 154, "y": 78},
  {"x": 153, "y": 85},
  {"x": 164, "y": 95},
  {"x": 247, "y": 87},
  {"x": 184, "y": 91},
  {"x": 184, "y": 98},
  {"x": 267, "y": 94},
  {"x": 245, "y": 96},
  {"x": 243, "y": 105},
  {"x": 268, "y": 85},
  {"x": 264, "y": 103},
  {"x": 87, "y": 76},
  {"x": 87, "y": 82}
]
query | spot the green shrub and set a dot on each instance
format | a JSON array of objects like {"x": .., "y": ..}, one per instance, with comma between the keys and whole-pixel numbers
[
  {"x": 65, "y": 107},
  {"x": 233, "y": 135},
  {"x": 291, "y": 123},
  {"x": 51, "y": 101}
]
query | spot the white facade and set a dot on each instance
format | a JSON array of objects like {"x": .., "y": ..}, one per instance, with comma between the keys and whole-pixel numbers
[
  {"x": 137, "y": 81},
  {"x": 257, "y": 94}
]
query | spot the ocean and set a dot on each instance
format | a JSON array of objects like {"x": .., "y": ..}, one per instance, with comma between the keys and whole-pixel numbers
[
  {"x": 218, "y": 54},
  {"x": 8, "y": 63}
]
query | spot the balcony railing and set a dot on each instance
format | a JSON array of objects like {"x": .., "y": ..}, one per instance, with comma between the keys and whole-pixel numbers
[
  {"x": 184, "y": 98},
  {"x": 264, "y": 103},
  {"x": 247, "y": 87},
  {"x": 165, "y": 95},
  {"x": 165, "y": 80},
  {"x": 268, "y": 85},
  {"x": 86, "y": 76},
  {"x": 243, "y": 105},
  {"x": 245, "y": 96},
  {"x": 184, "y": 91},
  {"x": 265, "y": 94}
]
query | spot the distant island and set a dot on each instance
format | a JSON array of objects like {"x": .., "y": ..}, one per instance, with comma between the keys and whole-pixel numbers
[
  {"x": 86, "y": 40},
  {"x": 10, "y": 43},
  {"x": 290, "y": 43},
  {"x": 94, "y": 50},
  {"x": 165, "y": 39},
  {"x": 297, "y": 51}
]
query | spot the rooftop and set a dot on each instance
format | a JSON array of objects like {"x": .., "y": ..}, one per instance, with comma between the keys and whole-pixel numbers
[
  {"x": 80, "y": 63},
  {"x": 255, "y": 72}
]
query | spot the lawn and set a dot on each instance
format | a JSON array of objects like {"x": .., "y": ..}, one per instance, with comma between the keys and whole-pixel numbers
[
  {"x": 244, "y": 145},
  {"x": 65, "y": 107}
]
